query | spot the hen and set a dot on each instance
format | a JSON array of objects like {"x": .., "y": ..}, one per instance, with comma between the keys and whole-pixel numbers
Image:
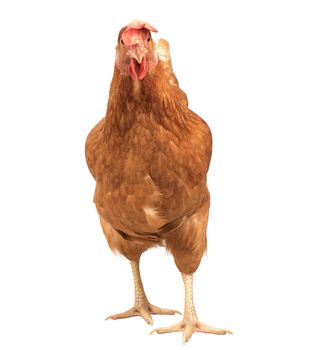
[{"x": 149, "y": 157}]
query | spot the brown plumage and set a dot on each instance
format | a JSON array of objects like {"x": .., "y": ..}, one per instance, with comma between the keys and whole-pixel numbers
[{"x": 149, "y": 157}]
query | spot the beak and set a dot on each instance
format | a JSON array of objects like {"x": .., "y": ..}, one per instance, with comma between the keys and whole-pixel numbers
[{"x": 137, "y": 52}]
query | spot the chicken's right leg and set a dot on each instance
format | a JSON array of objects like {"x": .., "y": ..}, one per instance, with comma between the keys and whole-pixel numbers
[{"x": 142, "y": 307}]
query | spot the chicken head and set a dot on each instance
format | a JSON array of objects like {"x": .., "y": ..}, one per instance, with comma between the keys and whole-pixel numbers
[{"x": 136, "y": 50}]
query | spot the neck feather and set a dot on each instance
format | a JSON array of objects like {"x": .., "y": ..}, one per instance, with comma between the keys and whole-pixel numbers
[{"x": 153, "y": 95}]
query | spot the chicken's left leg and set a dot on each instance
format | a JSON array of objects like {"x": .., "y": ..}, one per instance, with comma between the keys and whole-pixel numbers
[
  {"x": 142, "y": 307},
  {"x": 190, "y": 322}
]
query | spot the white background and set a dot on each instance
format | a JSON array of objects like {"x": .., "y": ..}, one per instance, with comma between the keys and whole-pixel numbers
[{"x": 250, "y": 69}]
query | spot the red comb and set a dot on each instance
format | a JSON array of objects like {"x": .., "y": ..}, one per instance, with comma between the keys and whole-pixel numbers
[
  {"x": 132, "y": 34},
  {"x": 137, "y": 24}
]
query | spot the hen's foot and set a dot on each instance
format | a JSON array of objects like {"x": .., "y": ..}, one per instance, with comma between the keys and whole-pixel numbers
[
  {"x": 190, "y": 322},
  {"x": 142, "y": 306},
  {"x": 145, "y": 311},
  {"x": 189, "y": 326}
]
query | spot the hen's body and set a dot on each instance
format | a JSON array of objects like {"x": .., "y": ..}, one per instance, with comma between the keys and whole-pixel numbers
[{"x": 149, "y": 157}]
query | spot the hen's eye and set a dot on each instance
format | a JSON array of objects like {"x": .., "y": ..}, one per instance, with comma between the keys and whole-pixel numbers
[
  {"x": 122, "y": 42},
  {"x": 149, "y": 39}
]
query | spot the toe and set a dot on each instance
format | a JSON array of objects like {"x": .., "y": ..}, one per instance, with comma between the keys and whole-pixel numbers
[
  {"x": 203, "y": 328},
  {"x": 160, "y": 311},
  {"x": 188, "y": 332},
  {"x": 174, "y": 328},
  {"x": 129, "y": 313},
  {"x": 146, "y": 316}
]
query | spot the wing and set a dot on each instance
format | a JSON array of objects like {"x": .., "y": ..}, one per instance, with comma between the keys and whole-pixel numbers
[
  {"x": 164, "y": 55},
  {"x": 92, "y": 146}
]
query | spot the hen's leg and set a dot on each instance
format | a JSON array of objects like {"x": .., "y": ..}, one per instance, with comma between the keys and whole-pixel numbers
[
  {"x": 187, "y": 245},
  {"x": 142, "y": 307},
  {"x": 190, "y": 322}
]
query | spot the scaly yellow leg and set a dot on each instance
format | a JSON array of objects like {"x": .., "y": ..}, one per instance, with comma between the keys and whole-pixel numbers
[{"x": 142, "y": 307}]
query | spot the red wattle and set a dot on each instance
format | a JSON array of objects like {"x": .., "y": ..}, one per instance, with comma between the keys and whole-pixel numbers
[
  {"x": 137, "y": 71},
  {"x": 143, "y": 69},
  {"x": 132, "y": 70}
]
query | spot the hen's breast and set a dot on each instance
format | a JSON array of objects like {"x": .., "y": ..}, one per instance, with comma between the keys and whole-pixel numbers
[{"x": 148, "y": 178}]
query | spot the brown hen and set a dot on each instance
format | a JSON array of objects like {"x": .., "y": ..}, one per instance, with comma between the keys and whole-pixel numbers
[{"x": 149, "y": 157}]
